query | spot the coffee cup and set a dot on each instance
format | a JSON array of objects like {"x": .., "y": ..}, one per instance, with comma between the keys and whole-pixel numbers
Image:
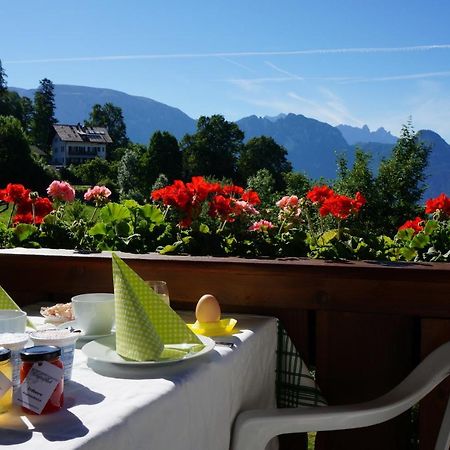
[
  {"x": 94, "y": 313},
  {"x": 12, "y": 321}
]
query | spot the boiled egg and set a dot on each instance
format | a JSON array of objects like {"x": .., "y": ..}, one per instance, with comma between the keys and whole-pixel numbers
[{"x": 207, "y": 309}]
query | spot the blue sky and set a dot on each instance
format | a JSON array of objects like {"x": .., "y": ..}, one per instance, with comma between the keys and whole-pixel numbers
[{"x": 349, "y": 61}]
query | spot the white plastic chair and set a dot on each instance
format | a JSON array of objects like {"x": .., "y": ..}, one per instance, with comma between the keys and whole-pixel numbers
[{"x": 253, "y": 429}]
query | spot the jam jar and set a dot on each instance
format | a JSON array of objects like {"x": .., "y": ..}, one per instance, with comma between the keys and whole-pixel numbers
[
  {"x": 6, "y": 377},
  {"x": 51, "y": 354}
]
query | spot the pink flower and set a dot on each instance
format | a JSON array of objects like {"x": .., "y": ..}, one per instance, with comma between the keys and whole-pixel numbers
[
  {"x": 97, "y": 194},
  {"x": 61, "y": 190},
  {"x": 262, "y": 225},
  {"x": 246, "y": 207},
  {"x": 288, "y": 201}
]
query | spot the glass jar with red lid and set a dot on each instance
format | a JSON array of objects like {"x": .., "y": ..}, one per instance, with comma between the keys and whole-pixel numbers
[{"x": 51, "y": 354}]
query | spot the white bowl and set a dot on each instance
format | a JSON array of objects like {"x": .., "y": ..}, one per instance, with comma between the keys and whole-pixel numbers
[{"x": 12, "y": 321}]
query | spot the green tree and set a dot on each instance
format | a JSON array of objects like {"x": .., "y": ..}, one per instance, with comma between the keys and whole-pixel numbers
[
  {"x": 110, "y": 117},
  {"x": 400, "y": 183},
  {"x": 264, "y": 153},
  {"x": 3, "y": 76},
  {"x": 213, "y": 149},
  {"x": 95, "y": 171},
  {"x": 27, "y": 111},
  {"x": 16, "y": 162},
  {"x": 129, "y": 176},
  {"x": 162, "y": 157},
  {"x": 297, "y": 183},
  {"x": 264, "y": 184},
  {"x": 11, "y": 104},
  {"x": 44, "y": 115},
  {"x": 359, "y": 178}
]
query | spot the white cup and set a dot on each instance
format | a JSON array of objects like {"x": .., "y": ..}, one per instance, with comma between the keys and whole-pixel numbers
[
  {"x": 12, "y": 321},
  {"x": 62, "y": 338},
  {"x": 14, "y": 342},
  {"x": 94, "y": 313}
]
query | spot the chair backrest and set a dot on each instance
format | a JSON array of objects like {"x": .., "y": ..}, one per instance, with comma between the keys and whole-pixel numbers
[{"x": 254, "y": 429}]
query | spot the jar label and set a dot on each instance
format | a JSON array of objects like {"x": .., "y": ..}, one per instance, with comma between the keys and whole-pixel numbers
[
  {"x": 38, "y": 386},
  {"x": 5, "y": 384}
]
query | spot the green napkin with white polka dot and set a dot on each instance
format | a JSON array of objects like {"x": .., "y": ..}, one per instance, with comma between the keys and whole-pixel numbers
[
  {"x": 6, "y": 302},
  {"x": 146, "y": 326}
]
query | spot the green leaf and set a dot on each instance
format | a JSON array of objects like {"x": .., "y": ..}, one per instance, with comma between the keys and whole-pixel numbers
[
  {"x": 99, "y": 229},
  {"x": 172, "y": 248},
  {"x": 420, "y": 240},
  {"x": 405, "y": 234},
  {"x": 24, "y": 231},
  {"x": 114, "y": 212},
  {"x": 328, "y": 236},
  {"x": 203, "y": 228},
  {"x": 408, "y": 253},
  {"x": 131, "y": 204},
  {"x": 153, "y": 213},
  {"x": 431, "y": 226},
  {"x": 122, "y": 229}
]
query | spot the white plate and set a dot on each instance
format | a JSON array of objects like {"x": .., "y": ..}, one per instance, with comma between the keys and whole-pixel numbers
[
  {"x": 83, "y": 336},
  {"x": 104, "y": 350}
]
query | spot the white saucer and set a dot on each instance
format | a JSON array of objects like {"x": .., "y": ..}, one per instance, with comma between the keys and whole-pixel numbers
[
  {"x": 83, "y": 336},
  {"x": 104, "y": 350}
]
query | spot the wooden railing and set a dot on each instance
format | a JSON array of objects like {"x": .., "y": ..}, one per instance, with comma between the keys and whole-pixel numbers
[{"x": 362, "y": 325}]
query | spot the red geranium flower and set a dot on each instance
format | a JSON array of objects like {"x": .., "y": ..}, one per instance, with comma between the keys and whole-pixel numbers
[
  {"x": 318, "y": 194},
  {"x": 251, "y": 197},
  {"x": 416, "y": 225},
  {"x": 232, "y": 189},
  {"x": 341, "y": 206},
  {"x": 14, "y": 193},
  {"x": 222, "y": 207},
  {"x": 42, "y": 207},
  {"x": 440, "y": 203},
  {"x": 23, "y": 218}
]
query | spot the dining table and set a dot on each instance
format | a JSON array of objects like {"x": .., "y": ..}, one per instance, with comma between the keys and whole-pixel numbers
[{"x": 185, "y": 405}]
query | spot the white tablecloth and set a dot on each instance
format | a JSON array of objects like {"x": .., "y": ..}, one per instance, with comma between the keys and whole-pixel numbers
[{"x": 183, "y": 406}]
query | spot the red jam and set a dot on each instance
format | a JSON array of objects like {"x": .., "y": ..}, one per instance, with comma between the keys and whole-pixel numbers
[{"x": 51, "y": 354}]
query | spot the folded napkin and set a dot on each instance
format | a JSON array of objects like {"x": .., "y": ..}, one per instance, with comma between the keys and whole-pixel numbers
[
  {"x": 146, "y": 326},
  {"x": 6, "y": 302}
]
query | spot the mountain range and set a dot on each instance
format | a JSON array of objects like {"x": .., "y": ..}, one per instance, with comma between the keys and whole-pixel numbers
[{"x": 312, "y": 145}]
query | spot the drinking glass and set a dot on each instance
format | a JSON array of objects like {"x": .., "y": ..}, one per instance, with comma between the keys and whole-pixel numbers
[{"x": 160, "y": 287}]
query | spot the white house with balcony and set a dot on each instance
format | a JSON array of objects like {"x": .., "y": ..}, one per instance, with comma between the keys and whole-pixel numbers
[{"x": 75, "y": 144}]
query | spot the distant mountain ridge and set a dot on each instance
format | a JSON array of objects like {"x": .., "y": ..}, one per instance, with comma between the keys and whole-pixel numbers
[
  {"x": 312, "y": 145},
  {"x": 143, "y": 116},
  {"x": 355, "y": 135}
]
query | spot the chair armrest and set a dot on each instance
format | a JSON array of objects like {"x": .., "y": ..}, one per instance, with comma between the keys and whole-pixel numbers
[{"x": 253, "y": 429}]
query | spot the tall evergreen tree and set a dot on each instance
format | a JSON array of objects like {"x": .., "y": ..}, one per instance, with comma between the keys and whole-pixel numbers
[
  {"x": 400, "y": 183},
  {"x": 110, "y": 117},
  {"x": 44, "y": 115},
  {"x": 3, "y": 76}
]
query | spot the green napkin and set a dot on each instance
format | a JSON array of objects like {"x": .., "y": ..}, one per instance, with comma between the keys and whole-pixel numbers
[
  {"x": 145, "y": 324},
  {"x": 6, "y": 302}
]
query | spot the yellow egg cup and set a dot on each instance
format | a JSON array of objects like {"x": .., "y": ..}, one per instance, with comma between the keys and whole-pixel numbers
[{"x": 222, "y": 327}]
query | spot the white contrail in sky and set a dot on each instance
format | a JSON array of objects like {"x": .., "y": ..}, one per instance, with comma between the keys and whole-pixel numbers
[{"x": 235, "y": 54}]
